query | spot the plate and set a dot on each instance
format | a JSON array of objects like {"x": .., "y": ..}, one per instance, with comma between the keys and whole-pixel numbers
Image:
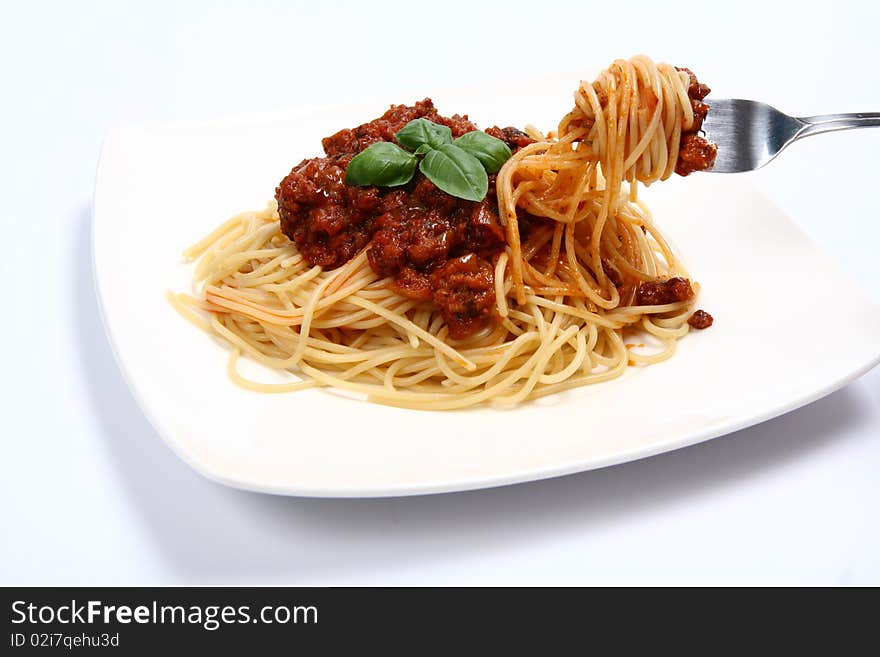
[{"x": 789, "y": 327}]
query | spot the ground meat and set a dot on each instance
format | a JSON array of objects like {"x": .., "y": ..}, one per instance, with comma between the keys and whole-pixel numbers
[
  {"x": 695, "y": 153},
  {"x": 658, "y": 293},
  {"x": 513, "y": 137},
  {"x": 415, "y": 236},
  {"x": 485, "y": 235},
  {"x": 412, "y": 283},
  {"x": 414, "y": 231},
  {"x": 700, "y": 110},
  {"x": 700, "y": 319},
  {"x": 464, "y": 289},
  {"x": 696, "y": 89},
  {"x": 328, "y": 220}
]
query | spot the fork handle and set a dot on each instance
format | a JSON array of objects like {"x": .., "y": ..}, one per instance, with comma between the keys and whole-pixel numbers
[{"x": 814, "y": 125}]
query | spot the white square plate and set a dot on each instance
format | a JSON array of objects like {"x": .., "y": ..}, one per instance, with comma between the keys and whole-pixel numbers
[{"x": 789, "y": 328}]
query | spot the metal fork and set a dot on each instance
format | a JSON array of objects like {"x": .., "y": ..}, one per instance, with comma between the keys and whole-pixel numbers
[{"x": 749, "y": 134}]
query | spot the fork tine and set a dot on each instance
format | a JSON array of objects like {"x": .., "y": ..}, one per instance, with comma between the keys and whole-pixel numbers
[{"x": 749, "y": 134}]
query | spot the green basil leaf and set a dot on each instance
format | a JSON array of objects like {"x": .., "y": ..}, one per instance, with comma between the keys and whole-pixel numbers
[
  {"x": 424, "y": 149},
  {"x": 456, "y": 172},
  {"x": 421, "y": 131},
  {"x": 491, "y": 152},
  {"x": 383, "y": 164}
]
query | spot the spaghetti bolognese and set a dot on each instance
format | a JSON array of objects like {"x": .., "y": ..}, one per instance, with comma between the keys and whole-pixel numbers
[{"x": 414, "y": 294}]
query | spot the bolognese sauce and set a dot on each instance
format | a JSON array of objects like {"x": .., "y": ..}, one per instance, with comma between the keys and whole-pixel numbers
[
  {"x": 434, "y": 246},
  {"x": 695, "y": 153},
  {"x": 658, "y": 293},
  {"x": 701, "y": 319}
]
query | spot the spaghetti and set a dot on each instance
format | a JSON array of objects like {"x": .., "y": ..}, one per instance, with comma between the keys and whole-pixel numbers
[{"x": 583, "y": 269}]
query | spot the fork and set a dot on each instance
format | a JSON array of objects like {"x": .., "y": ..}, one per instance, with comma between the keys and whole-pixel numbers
[{"x": 749, "y": 134}]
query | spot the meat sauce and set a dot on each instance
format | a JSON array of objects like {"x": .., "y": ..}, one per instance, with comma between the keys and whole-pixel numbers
[
  {"x": 695, "y": 153},
  {"x": 434, "y": 246},
  {"x": 701, "y": 319},
  {"x": 658, "y": 293}
]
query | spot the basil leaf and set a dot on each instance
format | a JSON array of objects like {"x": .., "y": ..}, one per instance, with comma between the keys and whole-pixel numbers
[
  {"x": 421, "y": 131},
  {"x": 456, "y": 172},
  {"x": 491, "y": 152},
  {"x": 424, "y": 149},
  {"x": 383, "y": 164}
]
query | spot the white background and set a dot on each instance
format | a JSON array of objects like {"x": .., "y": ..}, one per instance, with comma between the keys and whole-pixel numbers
[{"x": 90, "y": 493}]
